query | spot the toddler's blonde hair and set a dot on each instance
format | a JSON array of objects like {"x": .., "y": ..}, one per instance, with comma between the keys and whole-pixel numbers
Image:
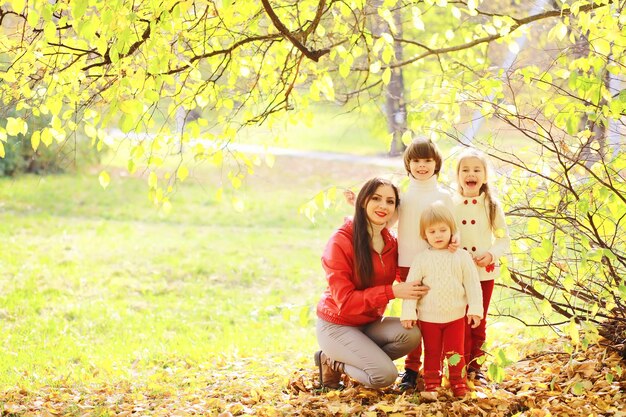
[{"x": 437, "y": 213}]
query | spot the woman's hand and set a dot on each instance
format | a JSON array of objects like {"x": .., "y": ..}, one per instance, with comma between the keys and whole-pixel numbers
[
  {"x": 473, "y": 321},
  {"x": 409, "y": 290},
  {"x": 484, "y": 259}
]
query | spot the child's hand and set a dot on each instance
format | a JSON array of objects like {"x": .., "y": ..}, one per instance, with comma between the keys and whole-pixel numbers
[
  {"x": 408, "y": 324},
  {"x": 473, "y": 321},
  {"x": 484, "y": 259},
  {"x": 454, "y": 244},
  {"x": 349, "y": 196}
]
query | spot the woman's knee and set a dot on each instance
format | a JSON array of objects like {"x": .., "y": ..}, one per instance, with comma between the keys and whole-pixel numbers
[
  {"x": 384, "y": 376},
  {"x": 410, "y": 338},
  {"x": 416, "y": 336}
]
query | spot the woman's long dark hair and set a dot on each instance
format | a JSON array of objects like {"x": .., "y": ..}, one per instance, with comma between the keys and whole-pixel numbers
[{"x": 361, "y": 239}]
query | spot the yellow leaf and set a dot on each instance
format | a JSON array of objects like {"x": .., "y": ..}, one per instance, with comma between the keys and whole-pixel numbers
[
  {"x": 385, "y": 407},
  {"x": 15, "y": 126},
  {"x": 152, "y": 180},
  {"x": 182, "y": 173},
  {"x": 104, "y": 179},
  {"x": 32, "y": 18},
  {"x": 236, "y": 182},
  {"x": 90, "y": 131},
  {"x": 602, "y": 46},
  {"x": 9, "y": 76},
  {"x": 46, "y": 136},
  {"x": 35, "y": 139},
  {"x": 2, "y": 150},
  {"x": 18, "y": 5},
  {"x": 572, "y": 330},
  {"x": 386, "y": 76},
  {"x": 546, "y": 307},
  {"x": 134, "y": 107}
]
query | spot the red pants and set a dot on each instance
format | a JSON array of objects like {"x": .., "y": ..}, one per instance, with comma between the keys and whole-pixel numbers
[
  {"x": 443, "y": 340},
  {"x": 413, "y": 360},
  {"x": 475, "y": 338}
]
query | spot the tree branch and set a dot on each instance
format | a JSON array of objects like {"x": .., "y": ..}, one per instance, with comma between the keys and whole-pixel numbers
[
  {"x": 488, "y": 39},
  {"x": 314, "y": 55}
]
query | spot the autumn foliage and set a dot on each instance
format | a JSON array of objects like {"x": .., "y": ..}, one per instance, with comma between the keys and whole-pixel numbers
[{"x": 589, "y": 382}]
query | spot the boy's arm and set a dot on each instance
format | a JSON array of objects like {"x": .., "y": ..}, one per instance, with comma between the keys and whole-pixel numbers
[
  {"x": 350, "y": 196},
  {"x": 409, "y": 307}
]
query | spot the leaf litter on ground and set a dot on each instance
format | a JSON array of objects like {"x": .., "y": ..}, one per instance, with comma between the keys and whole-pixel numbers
[{"x": 588, "y": 382}]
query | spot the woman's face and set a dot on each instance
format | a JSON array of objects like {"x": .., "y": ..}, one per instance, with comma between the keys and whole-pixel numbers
[{"x": 381, "y": 205}]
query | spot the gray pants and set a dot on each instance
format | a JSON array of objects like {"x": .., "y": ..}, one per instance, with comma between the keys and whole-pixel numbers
[{"x": 368, "y": 351}]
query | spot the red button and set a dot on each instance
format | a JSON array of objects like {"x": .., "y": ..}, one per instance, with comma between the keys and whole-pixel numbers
[
  {"x": 473, "y": 222},
  {"x": 464, "y": 222},
  {"x": 474, "y": 201},
  {"x": 465, "y": 202},
  {"x": 473, "y": 248}
]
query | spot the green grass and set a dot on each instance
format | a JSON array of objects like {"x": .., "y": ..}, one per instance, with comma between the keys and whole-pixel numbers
[{"x": 99, "y": 284}]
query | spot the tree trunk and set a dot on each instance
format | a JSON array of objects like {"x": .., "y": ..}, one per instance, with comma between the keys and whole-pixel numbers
[
  {"x": 599, "y": 131},
  {"x": 395, "y": 106}
]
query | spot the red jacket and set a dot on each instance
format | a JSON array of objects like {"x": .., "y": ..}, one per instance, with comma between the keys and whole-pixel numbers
[{"x": 342, "y": 303}]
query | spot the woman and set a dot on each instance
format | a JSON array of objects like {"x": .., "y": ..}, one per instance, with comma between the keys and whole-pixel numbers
[{"x": 361, "y": 264}]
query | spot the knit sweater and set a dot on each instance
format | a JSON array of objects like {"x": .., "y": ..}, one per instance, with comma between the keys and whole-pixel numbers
[
  {"x": 477, "y": 236},
  {"x": 453, "y": 283},
  {"x": 418, "y": 196}
]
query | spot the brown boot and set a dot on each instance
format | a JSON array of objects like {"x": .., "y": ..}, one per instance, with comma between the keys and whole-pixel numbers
[{"x": 330, "y": 371}]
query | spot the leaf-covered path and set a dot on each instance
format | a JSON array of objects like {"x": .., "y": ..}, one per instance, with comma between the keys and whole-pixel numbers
[{"x": 552, "y": 383}]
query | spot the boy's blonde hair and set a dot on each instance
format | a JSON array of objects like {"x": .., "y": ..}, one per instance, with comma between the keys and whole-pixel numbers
[
  {"x": 422, "y": 149},
  {"x": 436, "y": 213}
]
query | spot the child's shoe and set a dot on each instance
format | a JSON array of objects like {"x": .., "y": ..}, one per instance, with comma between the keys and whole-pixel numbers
[
  {"x": 411, "y": 380},
  {"x": 432, "y": 382},
  {"x": 408, "y": 380},
  {"x": 459, "y": 389}
]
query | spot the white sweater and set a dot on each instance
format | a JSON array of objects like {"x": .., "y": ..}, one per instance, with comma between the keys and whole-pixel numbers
[
  {"x": 477, "y": 237},
  {"x": 418, "y": 196},
  {"x": 453, "y": 283}
]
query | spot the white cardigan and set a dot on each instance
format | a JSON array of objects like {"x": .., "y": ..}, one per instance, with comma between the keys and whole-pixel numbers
[{"x": 477, "y": 236}]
